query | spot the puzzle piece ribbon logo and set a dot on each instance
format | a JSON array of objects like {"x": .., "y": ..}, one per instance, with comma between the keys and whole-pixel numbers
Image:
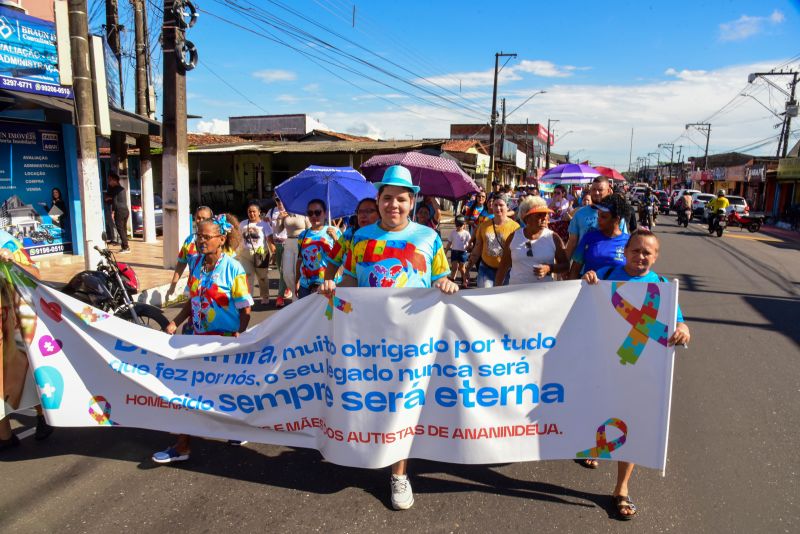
[
  {"x": 339, "y": 304},
  {"x": 100, "y": 410},
  {"x": 604, "y": 447},
  {"x": 643, "y": 320}
]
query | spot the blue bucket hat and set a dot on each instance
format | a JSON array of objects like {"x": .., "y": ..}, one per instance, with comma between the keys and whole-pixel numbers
[{"x": 399, "y": 176}]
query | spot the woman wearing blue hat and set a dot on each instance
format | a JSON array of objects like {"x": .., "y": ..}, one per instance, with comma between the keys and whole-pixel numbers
[{"x": 396, "y": 252}]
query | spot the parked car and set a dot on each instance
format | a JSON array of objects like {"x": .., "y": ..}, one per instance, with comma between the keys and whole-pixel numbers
[
  {"x": 136, "y": 213},
  {"x": 636, "y": 195},
  {"x": 699, "y": 201},
  {"x": 737, "y": 204}
]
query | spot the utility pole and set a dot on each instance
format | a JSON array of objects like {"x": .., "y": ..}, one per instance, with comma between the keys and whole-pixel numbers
[
  {"x": 142, "y": 108},
  {"x": 89, "y": 176},
  {"x": 630, "y": 153},
  {"x": 175, "y": 158},
  {"x": 550, "y": 135},
  {"x": 502, "y": 132},
  {"x": 671, "y": 147},
  {"x": 493, "y": 121},
  {"x": 791, "y": 104},
  {"x": 705, "y": 129}
]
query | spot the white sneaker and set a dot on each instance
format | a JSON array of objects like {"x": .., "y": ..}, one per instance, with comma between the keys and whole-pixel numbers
[{"x": 402, "y": 496}]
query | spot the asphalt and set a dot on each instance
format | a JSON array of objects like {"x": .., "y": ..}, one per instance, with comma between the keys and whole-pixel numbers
[{"x": 732, "y": 467}]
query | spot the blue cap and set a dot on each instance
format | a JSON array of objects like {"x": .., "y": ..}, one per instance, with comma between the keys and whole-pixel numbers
[{"x": 399, "y": 176}]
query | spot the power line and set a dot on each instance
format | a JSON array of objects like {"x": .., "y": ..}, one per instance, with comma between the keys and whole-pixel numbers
[
  {"x": 303, "y": 36},
  {"x": 318, "y": 62},
  {"x": 205, "y": 65}
]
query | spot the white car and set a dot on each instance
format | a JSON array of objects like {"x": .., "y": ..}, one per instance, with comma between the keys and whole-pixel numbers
[
  {"x": 699, "y": 201},
  {"x": 737, "y": 204}
]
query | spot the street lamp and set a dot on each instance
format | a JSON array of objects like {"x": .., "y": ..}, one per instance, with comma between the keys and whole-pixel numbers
[
  {"x": 526, "y": 101},
  {"x": 562, "y": 136},
  {"x": 778, "y": 115}
]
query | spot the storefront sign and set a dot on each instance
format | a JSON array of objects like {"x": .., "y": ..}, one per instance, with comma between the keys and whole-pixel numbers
[
  {"x": 28, "y": 55},
  {"x": 788, "y": 169},
  {"x": 482, "y": 162},
  {"x": 521, "y": 159},
  {"x": 33, "y": 187},
  {"x": 755, "y": 174}
]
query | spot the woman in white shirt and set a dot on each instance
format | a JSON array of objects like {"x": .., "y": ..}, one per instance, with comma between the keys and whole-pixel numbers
[
  {"x": 533, "y": 253},
  {"x": 256, "y": 247}
]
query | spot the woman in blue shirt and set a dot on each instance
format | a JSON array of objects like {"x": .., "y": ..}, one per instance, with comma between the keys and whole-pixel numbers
[{"x": 605, "y": 246}]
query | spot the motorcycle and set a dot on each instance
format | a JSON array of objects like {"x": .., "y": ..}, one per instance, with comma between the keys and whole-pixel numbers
[
  {"x": 744, "y": 220},
  {"x": 684, "y": 216},
  {"x": 719, "y": 223},
  {"x": 110, "y": 287},
  {"x": 646, "y": 214}
]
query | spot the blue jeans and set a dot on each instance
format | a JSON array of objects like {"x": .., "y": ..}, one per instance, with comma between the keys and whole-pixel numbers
[
  {"x": 486, "y": 276},
  {"x": 306, "y": 291}
]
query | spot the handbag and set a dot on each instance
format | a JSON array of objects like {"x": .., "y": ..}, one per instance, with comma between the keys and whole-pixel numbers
[{"x": 260, "y": 259}]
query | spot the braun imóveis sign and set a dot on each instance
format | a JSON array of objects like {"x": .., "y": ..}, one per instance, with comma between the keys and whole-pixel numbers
[{"x": 28, "y": 55}]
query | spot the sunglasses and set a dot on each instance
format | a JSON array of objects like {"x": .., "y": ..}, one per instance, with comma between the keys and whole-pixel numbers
[
  {"x": 205, "y": 237},
  {"x": 530, "y": 249},
  {"x": 314, "y": 213}
]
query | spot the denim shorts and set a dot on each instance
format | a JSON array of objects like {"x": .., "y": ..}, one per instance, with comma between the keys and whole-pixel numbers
[
  {"x": 459, "y": 256},
  {"x": 486, "y": 276}
]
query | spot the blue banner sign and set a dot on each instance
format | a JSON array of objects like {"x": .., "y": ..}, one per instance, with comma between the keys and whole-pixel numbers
[
  {"x": 28, "y": 55},
  {"x": 33, "y": 187}
]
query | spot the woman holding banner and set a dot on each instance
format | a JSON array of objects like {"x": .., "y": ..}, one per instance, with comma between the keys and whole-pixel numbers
[
  {"x": 219, "y": 301},
  {"x": 13, "y": 358},
  {"x": 395, "y": 252},
  {"x": 641, "y": 252}
]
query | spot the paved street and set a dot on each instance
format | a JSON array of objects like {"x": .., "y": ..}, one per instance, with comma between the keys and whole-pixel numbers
[{"x": 733, "y": 465}]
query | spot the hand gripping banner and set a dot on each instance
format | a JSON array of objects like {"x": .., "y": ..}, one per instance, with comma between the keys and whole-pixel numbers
[{"x": 372, "y": 376}]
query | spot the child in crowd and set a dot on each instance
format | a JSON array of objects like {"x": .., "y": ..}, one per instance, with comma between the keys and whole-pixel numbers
[{"x": 457, "y": 245}]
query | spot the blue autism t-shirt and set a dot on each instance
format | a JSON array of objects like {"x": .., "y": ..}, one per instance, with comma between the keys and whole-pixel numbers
[
  {"x": 315, "y": 248},
  {"x": 411, "y": 257},
  {"x": 585, "y": 220},
  {"x": 596, "y": 250},
  {"x": 619, "y": 274}
]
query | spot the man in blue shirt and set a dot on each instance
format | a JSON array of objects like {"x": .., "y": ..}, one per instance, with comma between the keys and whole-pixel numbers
[{"x": 585, "y": 219}]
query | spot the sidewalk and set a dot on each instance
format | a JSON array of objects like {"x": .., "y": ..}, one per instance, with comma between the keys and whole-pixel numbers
[
  {"x": 147, "y": 259},
  {"x": 788, "y": 235}
]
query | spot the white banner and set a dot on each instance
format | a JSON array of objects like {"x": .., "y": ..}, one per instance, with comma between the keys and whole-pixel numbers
[{"x": 537, "y": 372}]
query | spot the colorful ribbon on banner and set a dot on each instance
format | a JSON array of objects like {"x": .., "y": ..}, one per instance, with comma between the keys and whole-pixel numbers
[
  {"x": 604, "y": 447},
  {"x": 339, "y": 304},
  {"x": 100, "y": 410},
  {"x": 643, "y": 320}
]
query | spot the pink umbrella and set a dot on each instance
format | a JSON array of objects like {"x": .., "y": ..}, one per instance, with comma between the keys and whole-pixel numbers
[
  {"x": 610, "y": 173},
  {"x": 436, "y": 176}
]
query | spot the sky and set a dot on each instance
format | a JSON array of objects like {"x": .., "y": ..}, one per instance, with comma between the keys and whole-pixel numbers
[{"x": 409, "y": 69}]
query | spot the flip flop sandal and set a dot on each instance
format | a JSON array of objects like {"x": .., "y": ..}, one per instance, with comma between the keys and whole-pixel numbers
[
  {"x": 588, "y": 463},
  {"x": 622, "y": 503}
]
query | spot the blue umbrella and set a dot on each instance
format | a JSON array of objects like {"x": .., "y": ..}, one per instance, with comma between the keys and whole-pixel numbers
[{"x": 342, "y": 188}]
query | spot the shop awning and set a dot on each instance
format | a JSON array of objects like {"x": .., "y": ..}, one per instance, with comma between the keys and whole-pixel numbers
[
  {"x": 788, "y": 169},
  {"x": 61, "y": 110}
]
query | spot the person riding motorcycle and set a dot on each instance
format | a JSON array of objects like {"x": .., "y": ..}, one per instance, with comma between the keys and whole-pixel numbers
[
  {"x": 648, "y": 199},
  {"x": 719, "y": 203},
  {"x": 684, "y": 205}
]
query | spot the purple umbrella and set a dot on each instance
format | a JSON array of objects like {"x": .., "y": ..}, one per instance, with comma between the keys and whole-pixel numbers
[
  {"x": 570, "y": 173},
  {"x": 438, "y": 177}
]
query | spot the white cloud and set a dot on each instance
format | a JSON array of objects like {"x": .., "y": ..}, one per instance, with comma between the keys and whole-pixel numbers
[
  {"x": 213, "y": 126},
  {"x": 511, "y": 72},
  {"x": 747, "y": 26},
  {"x": 311, "y": 88},
  {"x": 601, "y": 116},
  {"x": 288, "y": 99},
  {"x": 276, "y": 75}
]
